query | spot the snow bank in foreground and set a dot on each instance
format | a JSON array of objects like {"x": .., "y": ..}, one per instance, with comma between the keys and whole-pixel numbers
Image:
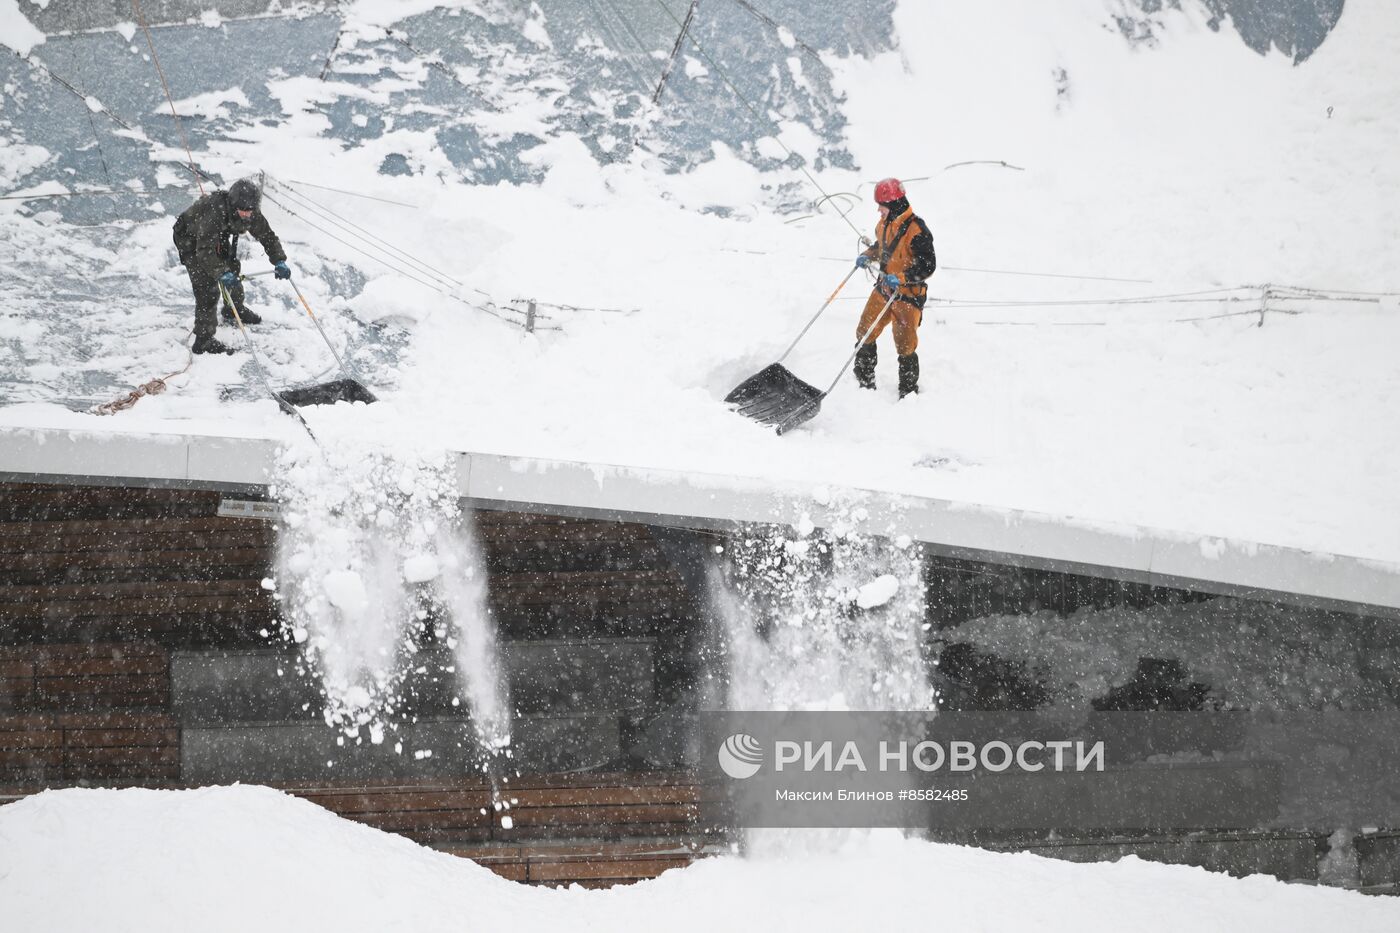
[{"x": 238, "y": 858}]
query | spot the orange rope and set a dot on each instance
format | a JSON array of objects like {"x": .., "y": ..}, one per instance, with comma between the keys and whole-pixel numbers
[
  {"x": 154, "y": 387},
  {"x": 136, "y": 8}
]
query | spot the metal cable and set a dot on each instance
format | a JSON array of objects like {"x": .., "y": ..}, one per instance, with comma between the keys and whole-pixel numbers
[
  {"x": 724, "y": 76},
  {"x": 101, "y": 155},
  {"x": 93, "y": 191},
  {"x": 76, "y": 93},
  {"x": 155, "y": 59},
  {"x": 636, "y": 39},
  {"x": 355, "y": 229},
  {"x": 356, "y": 194},
  {"x": 765, "y": 18},
  {"x": 391, "y": 267}
]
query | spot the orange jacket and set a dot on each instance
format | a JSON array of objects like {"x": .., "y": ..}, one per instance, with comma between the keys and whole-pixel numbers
[{"x": 904, "y": 246}]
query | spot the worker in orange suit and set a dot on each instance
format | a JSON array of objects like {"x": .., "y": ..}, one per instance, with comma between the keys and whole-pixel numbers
[{"x": 903, "y": 250}]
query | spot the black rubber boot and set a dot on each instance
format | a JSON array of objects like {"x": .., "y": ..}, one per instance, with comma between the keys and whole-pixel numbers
[
  {"x": 250, "y": 318},
  {"x": 909, "y": 375},
  {"x": 210, "y": 345},
  {"x": 865, "y": 365}
]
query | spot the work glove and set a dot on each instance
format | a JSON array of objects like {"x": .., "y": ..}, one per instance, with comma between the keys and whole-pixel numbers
[
  {"x": 891, "y": 280},
  {"x": 282, "y": 271},
  {"x": 229, "y": 281},
  {"x": 862, "y": 261}
]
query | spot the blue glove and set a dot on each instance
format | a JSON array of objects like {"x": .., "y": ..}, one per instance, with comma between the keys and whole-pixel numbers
[
  {"x": 229, "y": 281},
  {"x": 282, "y": 271},
  {"x": 891, "y": 280},
  {"x": 862, "y": 261}
]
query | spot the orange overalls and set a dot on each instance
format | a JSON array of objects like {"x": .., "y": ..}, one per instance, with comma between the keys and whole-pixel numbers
[{"x": 893, "y": 237}]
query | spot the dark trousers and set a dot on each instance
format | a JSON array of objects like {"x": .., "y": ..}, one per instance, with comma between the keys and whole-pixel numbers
[{"x": 204, "y": 281}]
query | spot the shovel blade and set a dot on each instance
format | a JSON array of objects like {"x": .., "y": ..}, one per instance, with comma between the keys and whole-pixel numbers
[
  {"x": 801, "y": 415},
  {"x": 775, "y": 396},
  {"x": 328, "y": 393}
]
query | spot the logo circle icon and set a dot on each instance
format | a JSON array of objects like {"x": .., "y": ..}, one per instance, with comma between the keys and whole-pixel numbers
[{"x": 740, "y": 756}]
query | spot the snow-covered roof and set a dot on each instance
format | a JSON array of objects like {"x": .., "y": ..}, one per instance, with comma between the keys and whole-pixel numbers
[{"x": 1166, "y": 299}]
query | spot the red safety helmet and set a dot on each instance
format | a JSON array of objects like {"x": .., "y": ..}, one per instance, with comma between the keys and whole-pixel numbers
[{"x": 888, "y": 190}]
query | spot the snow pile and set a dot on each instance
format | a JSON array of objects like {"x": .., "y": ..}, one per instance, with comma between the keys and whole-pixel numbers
[
  {"x": 1253, "y": 655},
  {"x": 823, "y": 619},
  {"x": 374, "y": 558},
  {"x": 243, "y": 858}
]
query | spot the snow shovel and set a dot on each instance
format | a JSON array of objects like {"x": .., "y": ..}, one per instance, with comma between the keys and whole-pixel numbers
[
  {"x": 345, "y": 389},
  {"x": 770, "y": 395},
  {"x": 775, "y": 396}
]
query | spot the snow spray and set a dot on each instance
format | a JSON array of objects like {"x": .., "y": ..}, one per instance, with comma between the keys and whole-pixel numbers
[
  {"x": 822, "y": 619},
  {"x": 374, "y": 558}
]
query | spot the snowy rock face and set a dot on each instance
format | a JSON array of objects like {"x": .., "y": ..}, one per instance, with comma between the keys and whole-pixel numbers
[
  {"x": 1295, "y": 27},
  {"x": 477, "y": 90},
  {"x": 474, "y": 91}
]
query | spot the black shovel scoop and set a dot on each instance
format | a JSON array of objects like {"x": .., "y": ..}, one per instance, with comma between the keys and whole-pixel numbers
[
  {"x": 775, "y": 396},
  {"x": 344, "y": 389}
]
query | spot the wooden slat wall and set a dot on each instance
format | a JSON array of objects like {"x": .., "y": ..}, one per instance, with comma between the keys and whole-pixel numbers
[
  {"x": 84, "y": 677},
  {"x": 98, "y": 584},
  {"x": 590, "y": 865},
  {"x": 632, "y": 805},
  {"x": 59, "y": 748},
  {"x": 82, "y": 564},
  {"x": 553, "y": 576}
]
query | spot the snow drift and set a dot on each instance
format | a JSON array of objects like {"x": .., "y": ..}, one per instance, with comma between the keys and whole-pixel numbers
[{"x": 239, "y": 858}]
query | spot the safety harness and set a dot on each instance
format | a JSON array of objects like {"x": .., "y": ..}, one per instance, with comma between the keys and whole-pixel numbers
[{"x": 887, "y": 253}]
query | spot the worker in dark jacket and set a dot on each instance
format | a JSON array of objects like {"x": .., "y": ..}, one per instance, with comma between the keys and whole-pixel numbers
[
  {"x": 206, "y": 236},
  {"x": 903, "y": 251}
]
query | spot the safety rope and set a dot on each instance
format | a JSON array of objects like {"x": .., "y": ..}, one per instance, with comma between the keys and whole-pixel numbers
[
  {"x": 845, "y": 260},
  {"x": 1261, "y": 304},
  {"x": 154, "y": 387},
  {"x": 140, "y": 18}
]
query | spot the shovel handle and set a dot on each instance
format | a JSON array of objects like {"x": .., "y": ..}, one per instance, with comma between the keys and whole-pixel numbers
[
  {"x": 826, "y": 304},
  {"x": 863, "y": 338},
  {"x": 314, "y": 320}
]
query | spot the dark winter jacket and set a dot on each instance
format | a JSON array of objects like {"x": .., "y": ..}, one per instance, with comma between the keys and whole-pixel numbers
[{"x": 207, "y": 233}]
